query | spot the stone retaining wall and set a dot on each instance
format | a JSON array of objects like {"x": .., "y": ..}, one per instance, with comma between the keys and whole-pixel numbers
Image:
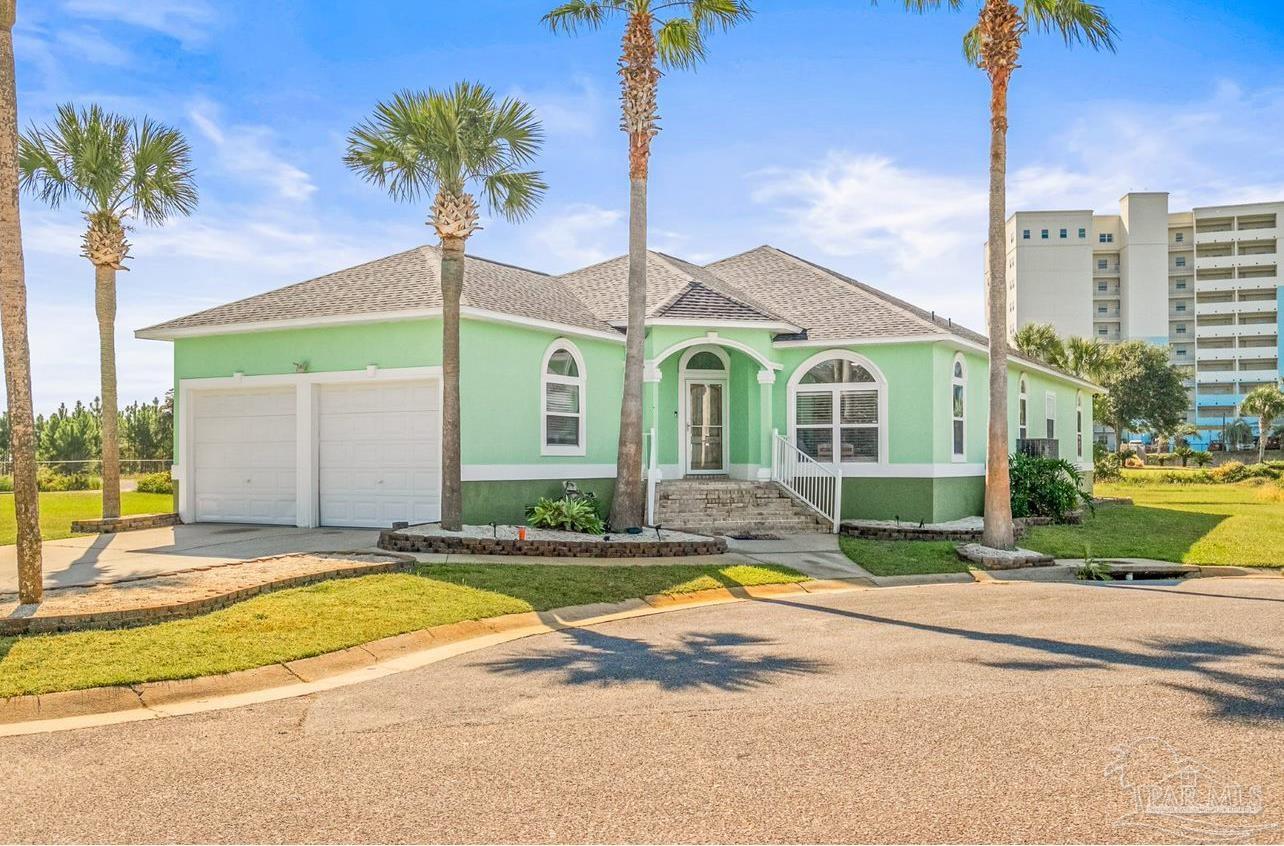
[
  {"x": 406, "y": 542},
  {"x": 909, "y": 531},
  {"x": 129, "y": 523}
]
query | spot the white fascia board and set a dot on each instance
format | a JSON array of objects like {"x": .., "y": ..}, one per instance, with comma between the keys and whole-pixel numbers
[
  {"x": 372, "y": 317},
  {"x": 953, "y": 341}
]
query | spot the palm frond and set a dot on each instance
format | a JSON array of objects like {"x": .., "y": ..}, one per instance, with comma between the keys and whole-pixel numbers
[
  {"x": 162, "y": 180},
  {"x": 576, "y": 16},
  {"x": 514, "y": 195},
  {"x": 972, "y": 46},
  {"x": 922, "y": 7},
  {"x": 680, "y": 43},
  {"x": 422, "y": 142},
  {"x": 1077, "y": 21},
  {"x": 115, "y": 165},
  {"x": 719, "y": 14}
]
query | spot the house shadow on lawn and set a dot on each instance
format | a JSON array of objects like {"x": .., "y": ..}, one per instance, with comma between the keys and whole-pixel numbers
[
  {"x": 1230, "y": 693},
  {"x": 717, "y": 660}
]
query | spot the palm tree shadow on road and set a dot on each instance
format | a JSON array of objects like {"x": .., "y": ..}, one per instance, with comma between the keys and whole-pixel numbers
[{"x": 723, "y": 661}]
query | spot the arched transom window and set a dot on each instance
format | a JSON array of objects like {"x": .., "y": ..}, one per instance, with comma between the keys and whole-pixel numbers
[
  {"x": 836, "y": 410},
  {"x": 958, "y": 390},
  {"x": 562, "y": 388}
]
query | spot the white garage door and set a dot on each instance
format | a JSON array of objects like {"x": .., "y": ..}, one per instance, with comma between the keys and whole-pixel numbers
[
  {"x": 244, "y": 457},
  {"x": 380, "y": 453}
]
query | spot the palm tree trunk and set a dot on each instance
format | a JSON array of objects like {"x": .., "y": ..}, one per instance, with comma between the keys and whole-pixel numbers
[
  {"x": 105, "y": 306},
  {"x": 1261, "y": 440},
  {"x": 452, "y": 287},
  {"x": 627, "y": 506},
  {"x": 639, "y": 83},
  {"x": 997, "y": 530},
  {"x": 13, "y": 326}
]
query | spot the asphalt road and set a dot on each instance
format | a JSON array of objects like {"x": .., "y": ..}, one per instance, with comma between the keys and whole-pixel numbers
[{"x": 943, "y": 713}]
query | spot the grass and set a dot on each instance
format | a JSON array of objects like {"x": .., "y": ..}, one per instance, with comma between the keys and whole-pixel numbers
[
  {"x": 902, "y": 558},
  {"x": 57, "y": 510},
  {"x": 1240, "y": 524},
  {"x": 337, "y": 614}
]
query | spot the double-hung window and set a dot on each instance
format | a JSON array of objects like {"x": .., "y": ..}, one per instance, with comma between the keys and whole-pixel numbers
[
  {"x": 562, "y": 398},
  {"x": 1050, "y": 413},
  {"x": 1023, "y": 409},
  {"x": 1078, "y": 424}
]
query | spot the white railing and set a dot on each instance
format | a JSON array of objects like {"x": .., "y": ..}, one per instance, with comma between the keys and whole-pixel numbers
[
  {"x": 818, "y": 485},
  {"x": 651, "y": 469}
]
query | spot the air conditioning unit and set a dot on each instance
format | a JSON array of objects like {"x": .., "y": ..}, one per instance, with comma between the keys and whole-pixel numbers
[{"x": 1044, "y": 447}]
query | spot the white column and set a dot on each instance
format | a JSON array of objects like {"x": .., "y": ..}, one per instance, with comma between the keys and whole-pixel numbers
[{"x": 766, "y": 378}]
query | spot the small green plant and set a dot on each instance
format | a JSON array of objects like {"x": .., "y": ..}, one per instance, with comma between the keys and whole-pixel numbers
[
  {"x": 159, "y": 483},
  {"x": 1161, "y": 458},
  {"x": 1093, "y": 570},
  {"x": 1045, "y": 487},
  {"x": 1184, "y": 453},
  {"x": 566, "y": 514},
  {"x": 1105, "y": 464},
  {"x": 1202, "y": 458}
]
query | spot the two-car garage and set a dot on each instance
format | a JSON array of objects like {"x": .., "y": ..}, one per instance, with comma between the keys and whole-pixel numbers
[{"x": 354, "y": 452}]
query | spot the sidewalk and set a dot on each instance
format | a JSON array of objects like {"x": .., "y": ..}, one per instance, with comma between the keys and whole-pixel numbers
[{"x": 819, "y": 556}]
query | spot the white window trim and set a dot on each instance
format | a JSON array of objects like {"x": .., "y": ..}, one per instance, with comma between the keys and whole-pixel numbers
[
  {"x": 581, "y": 382},
  {"x": 1023, "y": 405},
  {"x": 958, "y": 455},
  {"x": 879, "y": 384},
  {"x": 1049, "y": 413}
]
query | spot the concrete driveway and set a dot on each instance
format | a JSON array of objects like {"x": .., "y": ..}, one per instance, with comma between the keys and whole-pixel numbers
[
  {"x": 945, "y": 713},
  {"x": 97, "y": 558}
]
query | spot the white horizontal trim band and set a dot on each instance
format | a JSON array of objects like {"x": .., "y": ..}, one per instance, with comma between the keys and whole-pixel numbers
[{"x": 533, "y": 472}]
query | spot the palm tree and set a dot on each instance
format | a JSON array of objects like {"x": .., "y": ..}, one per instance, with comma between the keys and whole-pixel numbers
[
  {"x": 1085, "y": 357},
  {"x": 443, "y": 144},
  {"x": 13, "y": 326},
  {"x": 1265, "y": 402},
  {"x": 1040, "y": 340},
  {"x": 1237, "y": 433},
  {"x": 668, "y": 33},
  {"x": 117, "y": 168},
  {"x": 994, "y": 45}
]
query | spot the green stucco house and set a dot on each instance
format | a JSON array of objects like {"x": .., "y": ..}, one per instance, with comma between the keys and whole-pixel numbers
[{"x": 318, "y": 403}]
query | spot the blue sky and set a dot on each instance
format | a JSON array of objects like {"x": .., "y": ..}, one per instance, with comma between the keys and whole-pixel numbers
[{"x": 853, "y": 135}]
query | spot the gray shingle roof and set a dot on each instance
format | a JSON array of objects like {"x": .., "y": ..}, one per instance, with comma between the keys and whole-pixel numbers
[
  {"x": 406, "y": 281},
  {"x": 764, "y": 284}
]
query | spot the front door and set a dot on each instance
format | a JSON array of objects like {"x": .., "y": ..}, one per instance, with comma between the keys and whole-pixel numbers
[{"x": 706, "y": 435}]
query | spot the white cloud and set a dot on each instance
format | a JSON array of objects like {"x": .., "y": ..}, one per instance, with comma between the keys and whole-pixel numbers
[
  {"x": 577, "y": 235},
  {"x": 245, "y": 151},
  {"x": 852, "y": 204},
  {"x": 89, "y": 45},
  {"x": 188, "y": 21}
]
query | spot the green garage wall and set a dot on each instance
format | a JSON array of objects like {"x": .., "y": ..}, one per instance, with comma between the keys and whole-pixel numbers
[{"x": 505, "y": 502}]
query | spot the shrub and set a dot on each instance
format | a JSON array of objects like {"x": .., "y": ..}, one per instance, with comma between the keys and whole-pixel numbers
[
  {"x": 570, "y": 515},
  {"x": 1045, "y": 487},
  {"x": 1231, "y": 471},
  {"x": 159, "y": 483},
  {"x": 6, "y": 484},
  {"x": 50, "y": 481},
  {"x": 1202, "y": 458},
  {"x": 1160, "y": 458},
  {"x": 1133, "y": 461},
  {"x": 1105, "y": 464},
  {"x": 1184, "y": 453}
]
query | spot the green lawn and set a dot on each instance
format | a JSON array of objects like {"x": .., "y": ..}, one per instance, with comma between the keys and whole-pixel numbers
[
  {"x": 1191, "y": 524},
  {"x": 902, "y": 558},
  {"x": 334, "y": 615},
  {"x": 57, "y": 510}
]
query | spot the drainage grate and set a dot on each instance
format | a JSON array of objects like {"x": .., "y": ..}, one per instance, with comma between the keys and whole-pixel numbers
[{"x": 753, "y": 537}]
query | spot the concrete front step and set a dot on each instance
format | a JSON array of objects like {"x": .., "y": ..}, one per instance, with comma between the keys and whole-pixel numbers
[{"x": 732, "y": 506}]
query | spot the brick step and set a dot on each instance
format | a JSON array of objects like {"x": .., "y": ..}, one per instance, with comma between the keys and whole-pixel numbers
[{"x": 748, "y": 527}]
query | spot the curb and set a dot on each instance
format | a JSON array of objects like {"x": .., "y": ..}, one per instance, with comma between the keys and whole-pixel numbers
[{"x": 64, "y": 710}]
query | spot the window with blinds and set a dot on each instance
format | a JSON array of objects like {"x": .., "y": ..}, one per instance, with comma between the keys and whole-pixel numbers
[{"x": 562, "y": 402}]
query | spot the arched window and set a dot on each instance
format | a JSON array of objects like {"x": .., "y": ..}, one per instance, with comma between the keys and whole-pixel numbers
[
  {"x": 1023, "y": 411},
  {"x": 562, "y": 395},
  {"x": 958, "y": 390},
  {"x": 837, "y": 404},
  {"x": 1078, "y": 424}
]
